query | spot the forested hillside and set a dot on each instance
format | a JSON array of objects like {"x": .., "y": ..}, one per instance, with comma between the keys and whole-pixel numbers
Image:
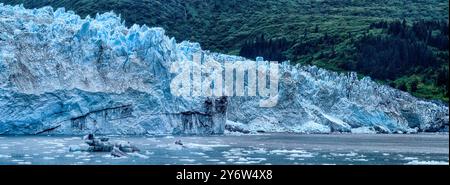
[{"x": 403, "y": 43}]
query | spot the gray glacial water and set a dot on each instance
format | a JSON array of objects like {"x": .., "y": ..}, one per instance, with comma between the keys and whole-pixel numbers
[{"x": 236, "y": 149}]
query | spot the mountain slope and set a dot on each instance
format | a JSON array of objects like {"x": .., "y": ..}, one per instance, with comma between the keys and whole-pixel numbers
[{"x": 222, "y": 25}]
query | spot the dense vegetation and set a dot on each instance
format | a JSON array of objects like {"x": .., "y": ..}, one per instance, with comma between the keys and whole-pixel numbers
[
  {"x": 403, "y": 43},
  {"x": 412, "y": 58}
]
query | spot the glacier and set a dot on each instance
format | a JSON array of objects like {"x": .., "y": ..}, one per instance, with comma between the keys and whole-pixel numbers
[{"x": 65, "y": 75}]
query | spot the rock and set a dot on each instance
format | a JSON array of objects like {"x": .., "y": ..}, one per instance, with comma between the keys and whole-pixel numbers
[
  {"x": 236, "y": 128},
  {"x": 178, "y": 142}
]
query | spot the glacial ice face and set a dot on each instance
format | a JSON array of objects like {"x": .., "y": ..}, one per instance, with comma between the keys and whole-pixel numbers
[
  {"x": 60, "y": 74},
  {"x": 311, "y": 98}
]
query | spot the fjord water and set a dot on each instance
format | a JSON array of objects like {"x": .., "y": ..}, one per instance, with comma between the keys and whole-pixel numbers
[{"x": 280, "y": 148}]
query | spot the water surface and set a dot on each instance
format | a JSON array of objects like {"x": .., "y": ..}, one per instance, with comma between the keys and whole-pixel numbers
[{"x": 236, "y": 149}]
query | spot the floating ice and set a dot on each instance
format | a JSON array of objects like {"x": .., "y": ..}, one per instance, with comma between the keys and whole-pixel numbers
[
  {"x": 204, "y": 146},
  {"x": 351, "y": 154},
  {"x": 136, "y": 154},
  {"x": 24, "y": 163},
  {"x": 305, "y": 155},
  {"x": 417, "y": 162},
  {"x": 187, "y": 160},
  {"x": 410, "y": 158},
  {"x": 363, "y": 130}
]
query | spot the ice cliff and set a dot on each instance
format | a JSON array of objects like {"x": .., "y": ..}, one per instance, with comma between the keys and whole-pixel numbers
[{"x": 61, "y": 74}]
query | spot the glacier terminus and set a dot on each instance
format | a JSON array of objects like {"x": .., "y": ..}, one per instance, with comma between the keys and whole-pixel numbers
[{"x": 65, "y": 75}]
